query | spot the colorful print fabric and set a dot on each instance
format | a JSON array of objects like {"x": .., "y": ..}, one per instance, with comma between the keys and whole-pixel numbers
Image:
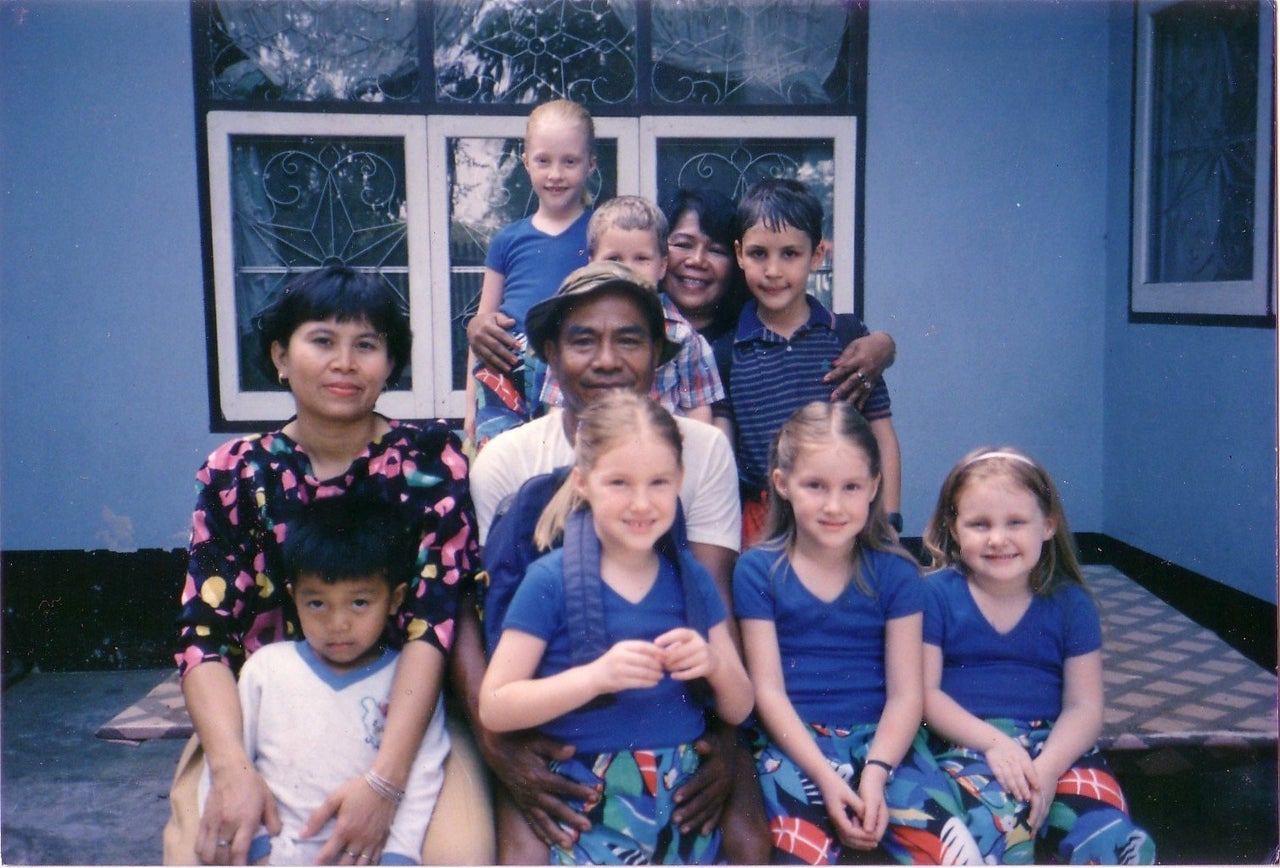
[
  {"x": 631, "y": 818},
  {"x": 1088, "y": 823},
  {"x": 250, "y": 489},
  {"x": 502, "y": 400},
  {"x": 925, "y": 825}
]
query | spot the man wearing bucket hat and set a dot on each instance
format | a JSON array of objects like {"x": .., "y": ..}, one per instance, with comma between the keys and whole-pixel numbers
[{"x": 603, "y": 329}]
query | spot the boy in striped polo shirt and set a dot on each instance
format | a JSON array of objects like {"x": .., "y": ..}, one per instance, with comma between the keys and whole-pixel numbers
[{"x": 785, "y": 342}]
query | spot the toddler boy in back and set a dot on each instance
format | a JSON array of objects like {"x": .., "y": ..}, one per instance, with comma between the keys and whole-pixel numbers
[
  {"x": 630, "y": 230},
  {"x": 315, "y": 710},
  {"x": 774, "y": 360}
]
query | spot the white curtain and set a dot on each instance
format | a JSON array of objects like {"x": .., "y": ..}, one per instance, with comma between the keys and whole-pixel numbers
[
  {"x": 322, "y": 50},
  {"x": 779, "y": 50}
]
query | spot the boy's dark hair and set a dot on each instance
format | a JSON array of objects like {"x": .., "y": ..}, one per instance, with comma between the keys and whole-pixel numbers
[
  {"x": 779, "y": 202},
  {"x": 342, "y": 538},
  {"x": 341, "y": 293}
]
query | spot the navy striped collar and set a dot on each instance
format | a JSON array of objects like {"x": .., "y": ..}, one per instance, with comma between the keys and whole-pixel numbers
[{"x": 750, "y": 328}]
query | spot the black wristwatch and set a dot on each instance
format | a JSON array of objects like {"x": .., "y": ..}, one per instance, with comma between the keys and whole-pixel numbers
[{"x": 882, "y": 764}]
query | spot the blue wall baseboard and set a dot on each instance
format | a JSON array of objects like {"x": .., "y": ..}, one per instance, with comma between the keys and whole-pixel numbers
[{"x": 101, "y": 610}]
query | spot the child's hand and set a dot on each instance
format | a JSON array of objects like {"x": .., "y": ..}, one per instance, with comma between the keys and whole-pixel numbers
[
  {"x": 1013, "y": 768},
  {"x": 875, "y": 813},
  {"x": 846, "y": 810},
  {"x": 685, "y": 654},
  {"x": 1048, "y": 788},
  {"x": 629, "y": 665}
]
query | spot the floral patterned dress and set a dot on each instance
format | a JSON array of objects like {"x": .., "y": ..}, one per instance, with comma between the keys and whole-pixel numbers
[{"x": 249, "y": 490}]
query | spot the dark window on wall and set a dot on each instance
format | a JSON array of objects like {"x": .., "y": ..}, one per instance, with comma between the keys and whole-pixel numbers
[{"x": 386, "y": 134}]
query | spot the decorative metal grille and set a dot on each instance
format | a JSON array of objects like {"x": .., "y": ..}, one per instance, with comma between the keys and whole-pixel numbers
[
  {"x": 310, "y": 50},
  {"x": 1205, "y": 142},
  {"x": 703, "y": 53},
  {"x": 514, "y": 51},
  {"x": 769, "y": 52},
  {"x": 302, "y": 203}
]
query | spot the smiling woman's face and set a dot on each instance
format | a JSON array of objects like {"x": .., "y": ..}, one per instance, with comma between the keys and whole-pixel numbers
[
  {"x": 698, "y": 270},
  {"x": 336, "y": 370}
]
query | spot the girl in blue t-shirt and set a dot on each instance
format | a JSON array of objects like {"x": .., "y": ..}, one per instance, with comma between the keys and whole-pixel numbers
[
  {"x": 1013, "y": 670},
  {"x": 830, "y": 612},
  {"x": 525, "y": 264},
  {"x": 612, "y": 641}
]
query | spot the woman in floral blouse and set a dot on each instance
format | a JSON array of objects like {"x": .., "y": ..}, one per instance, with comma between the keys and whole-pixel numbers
[{"x": 336, "y": 338}]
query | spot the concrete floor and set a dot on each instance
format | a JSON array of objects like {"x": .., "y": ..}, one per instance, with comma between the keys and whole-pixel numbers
[{"x": 69, "y": 798}]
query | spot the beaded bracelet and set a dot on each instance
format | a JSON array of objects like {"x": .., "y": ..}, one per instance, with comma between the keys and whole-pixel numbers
[{"x": 383, "y": 787}]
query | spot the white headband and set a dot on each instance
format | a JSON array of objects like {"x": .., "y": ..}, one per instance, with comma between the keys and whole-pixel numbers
[{"x": 1014, "y": 456}]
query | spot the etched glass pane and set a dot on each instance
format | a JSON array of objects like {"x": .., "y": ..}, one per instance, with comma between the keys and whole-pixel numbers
[
  {"x": 771, "y": 52},
  {"x": 1204, "y": 142},
  {"x": 307, "y": 50},
  {"x": 301, "y": 202},
  {"x": 731, "y": 165},
  {"x": 488, "y": 188},
  {"x": 524, "y": 52}
]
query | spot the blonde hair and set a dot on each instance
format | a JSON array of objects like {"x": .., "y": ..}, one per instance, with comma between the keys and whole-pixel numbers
[
  {"x": 568, "y": 113},
  {"x": 816, "y": 424},
  {"x": 1058, "y": 562},
  {"x": 602, "y": 426},
  {"x": 627, "y": 213}
]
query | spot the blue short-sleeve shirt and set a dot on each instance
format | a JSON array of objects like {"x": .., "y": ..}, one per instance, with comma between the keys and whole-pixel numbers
[
  {"x": 832, "y": 653},
  {"x": 1018, "y": 674},
  {"x": 534, "y": 263},
  {"x": 773, "y": 376},
  {"x": 661, "y": 716}
]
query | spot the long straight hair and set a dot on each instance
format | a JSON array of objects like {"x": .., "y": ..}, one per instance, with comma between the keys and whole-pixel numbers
[
  {"x": 603, "y": 426},
  {"x": 817, "y": 424},
  {"x": 1058, "y": 562}
]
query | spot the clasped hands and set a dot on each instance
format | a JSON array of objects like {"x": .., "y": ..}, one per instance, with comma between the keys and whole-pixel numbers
[
  {"x": 1023, "y": 778},
  {"x": 522, "y": 759}
]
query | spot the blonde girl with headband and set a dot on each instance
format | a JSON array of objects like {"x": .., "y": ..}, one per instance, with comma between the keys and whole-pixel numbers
[
  {"x": 830, "y": 612},
  {"x": 632, "y": 703},
  {"x": 524, "y": 265},
  {"x": 1013, "y": 670}
]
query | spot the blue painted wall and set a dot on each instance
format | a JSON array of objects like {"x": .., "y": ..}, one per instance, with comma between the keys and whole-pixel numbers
[
  {"x": 102, "y": 359},
  {"x": 986, "y": 189},
  {"x": 996, "y": 238},
  {"x": 1190, "y": 463}
]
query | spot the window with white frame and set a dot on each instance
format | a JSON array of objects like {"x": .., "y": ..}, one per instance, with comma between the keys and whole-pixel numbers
[
  {"x": 1202, "y": 246},
  {"x": 330, "y": 133}
]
